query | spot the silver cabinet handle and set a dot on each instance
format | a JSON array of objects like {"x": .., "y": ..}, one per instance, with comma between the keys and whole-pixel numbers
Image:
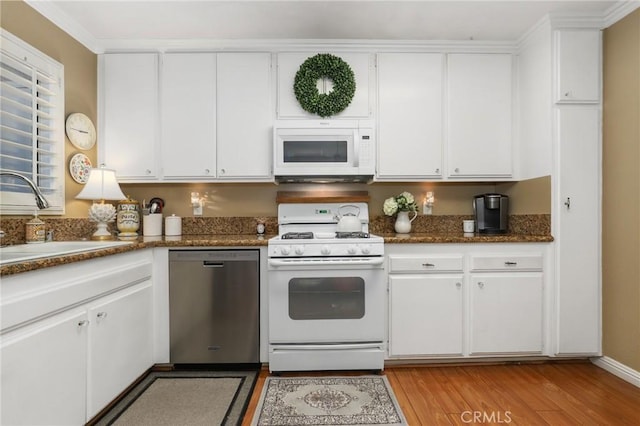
[
  {"x": 148, "y": 171},
  {"x": 458, "y": 285},
  {"x": 480, "y": 284},
  {"x": 428, "y": 265},
  {"x": 207, "y": 171},
  {"x": 222, "y": 171},
  {"x": 101, "y": 315},
  {"x": 568, "y": 203},
  {"x": 457, "y": 170},
  {"x": 507, "y": 263},
  {"x": 438, "y": 171},
  {"x": 83, "y": 323}
]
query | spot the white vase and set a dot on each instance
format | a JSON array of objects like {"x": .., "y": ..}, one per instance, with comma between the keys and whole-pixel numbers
[{"x": 403, "y": 223}]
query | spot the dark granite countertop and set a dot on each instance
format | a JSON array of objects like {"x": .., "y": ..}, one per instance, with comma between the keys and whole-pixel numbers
[{"x": 245, "y": 240}]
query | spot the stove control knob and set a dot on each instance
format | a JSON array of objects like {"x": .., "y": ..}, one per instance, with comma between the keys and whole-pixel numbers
[
  {"x": 366, "y": 249},
  {"x": 285, "y": 250},
  {"x": 325, "y": 250},
  {"x": 351, "y": 249},
  {"x": 299, "y": 250}
]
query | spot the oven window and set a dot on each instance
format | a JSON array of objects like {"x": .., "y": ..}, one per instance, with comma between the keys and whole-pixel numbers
[
  {"x": 315, "y": 151},
  {"x": 326, "y": 298}
]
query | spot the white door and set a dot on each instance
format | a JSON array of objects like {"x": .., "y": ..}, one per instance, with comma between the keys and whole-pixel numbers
[
  {"x": 120, "y": 345},
  {"x": 425, "y": 315},
  {"x": 43, "y": 372},
  {"x": 577, "y": 230},
  {"x": 245, "y": 115},
  {"x": 506, "y": 313},
  {"x": 188, "y": 135},
  {"x": 410, "y": 115},
  {"x": 479, "y": 114},
  {"x": 129, "y": 115}
]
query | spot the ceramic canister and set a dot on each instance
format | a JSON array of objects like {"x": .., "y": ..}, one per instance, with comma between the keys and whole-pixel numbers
[
  {"x": 128, "y": 218},
  {"x": 173, "y": 225}
]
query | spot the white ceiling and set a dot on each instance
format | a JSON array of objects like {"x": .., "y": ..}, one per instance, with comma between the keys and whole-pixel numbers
[{"x": 102, "y": 25}]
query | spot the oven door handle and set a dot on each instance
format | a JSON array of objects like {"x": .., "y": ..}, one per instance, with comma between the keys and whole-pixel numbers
[{"x": 375, "y": 261}]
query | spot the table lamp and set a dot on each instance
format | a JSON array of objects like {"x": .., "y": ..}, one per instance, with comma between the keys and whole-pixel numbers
[{"x": 101, "y": 185}]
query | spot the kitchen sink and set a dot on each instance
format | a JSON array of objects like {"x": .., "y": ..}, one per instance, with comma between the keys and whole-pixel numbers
[{"x": 24, "y": 252}]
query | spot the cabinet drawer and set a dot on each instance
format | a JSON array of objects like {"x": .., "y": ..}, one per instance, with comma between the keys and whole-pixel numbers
[
  {"x": 427, "y": 263},
  {"x": 518, "y": 262}
]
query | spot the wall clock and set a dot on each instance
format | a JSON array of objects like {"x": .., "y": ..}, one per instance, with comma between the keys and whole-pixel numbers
[{"x": 80, "y": 131}]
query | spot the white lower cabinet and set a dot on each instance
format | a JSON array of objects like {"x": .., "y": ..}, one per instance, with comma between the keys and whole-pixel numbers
[
  {"x": 44, "y": 372},
  {"x": 506, "y": 313},
  {"x": 467, "y": 300},
  {"x": 74, "y": 337},
  {"x": 120, "y": 344},
  {"x": 433, "y": 307}
]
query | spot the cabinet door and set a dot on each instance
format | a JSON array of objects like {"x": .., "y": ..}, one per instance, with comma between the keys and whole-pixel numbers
[
  {"x": 577, "y": 230},
  {"x": 44, "y": 372},
  {"x": 245, "y": 115},
  {"x": 121, "y": 346},
  {"x": 506, "y": 313},
  {"x": 188, "y": 136},
  {"x": 425, "y": 315},
  {"x": 288, "y": 65},
  {"x": 129, "y": 112},
  {"x": 578, "y": 66},
  {"x": 479, "y": 111},
  {"x": 410, "y": 115}
]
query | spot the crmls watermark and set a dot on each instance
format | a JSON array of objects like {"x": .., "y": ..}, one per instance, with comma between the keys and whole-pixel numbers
[{"x": 486, "y": 417}]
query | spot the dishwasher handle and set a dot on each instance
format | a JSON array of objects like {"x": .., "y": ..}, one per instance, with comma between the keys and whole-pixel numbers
[{"x": 212, "y": 264}]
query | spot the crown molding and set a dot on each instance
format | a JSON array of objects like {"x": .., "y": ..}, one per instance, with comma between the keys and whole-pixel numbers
[
  {"x": 619, "y": 11},
  {"x": 54, "y": 14}
]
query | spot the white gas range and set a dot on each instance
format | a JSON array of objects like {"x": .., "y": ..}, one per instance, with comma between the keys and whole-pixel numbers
[{"x": 326, "y": 292}]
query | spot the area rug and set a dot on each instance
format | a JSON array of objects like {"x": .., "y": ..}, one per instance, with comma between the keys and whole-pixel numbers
[
  {"x": 347, "y": 400},
  {"x": 185, "y": 398}
]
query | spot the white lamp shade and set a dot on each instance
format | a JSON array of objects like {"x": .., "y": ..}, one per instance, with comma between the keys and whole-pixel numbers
[{"x": 101, "y": 185}]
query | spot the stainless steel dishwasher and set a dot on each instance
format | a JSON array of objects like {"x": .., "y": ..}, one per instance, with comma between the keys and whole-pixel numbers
[{"x": 214, "y": 306}]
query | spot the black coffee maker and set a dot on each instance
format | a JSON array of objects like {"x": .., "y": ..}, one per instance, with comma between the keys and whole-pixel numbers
[{"x": 492, "y": 213}]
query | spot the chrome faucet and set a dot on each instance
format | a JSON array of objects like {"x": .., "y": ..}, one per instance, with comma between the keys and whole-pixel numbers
[{"x": 41, "y": 202}]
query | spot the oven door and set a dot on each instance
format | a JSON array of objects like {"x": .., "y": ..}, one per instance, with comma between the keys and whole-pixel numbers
[{"x": 326, "y": 301}]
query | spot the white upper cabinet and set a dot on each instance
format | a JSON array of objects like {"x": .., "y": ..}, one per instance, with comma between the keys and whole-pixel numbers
[
  {"x": 479, "y": 115},
  {"x": 245, "y": 116},
  {"x": 410, "y": 106},
  {"x": 289, "y": 64},
  {"x": 578, "y": 65},
  {"x": 128, "y": 124},
  {"x": 188, "y": 135}
]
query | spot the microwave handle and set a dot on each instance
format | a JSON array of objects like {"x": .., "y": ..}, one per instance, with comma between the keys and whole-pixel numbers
[{"x": 356, "y": 148}]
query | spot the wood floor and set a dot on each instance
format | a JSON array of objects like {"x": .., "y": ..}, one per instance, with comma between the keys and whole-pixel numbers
[{"x": 555, "y": 394}]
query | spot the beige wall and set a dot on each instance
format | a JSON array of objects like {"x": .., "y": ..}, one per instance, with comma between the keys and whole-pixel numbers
[
  {"x": 527, "y": 197},
  {"x": 80, "y": 72},
  {"x": 621, "y": 192}
]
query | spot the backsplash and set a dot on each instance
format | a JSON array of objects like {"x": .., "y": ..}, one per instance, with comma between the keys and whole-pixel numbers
[{"x": 76, "y": 229}]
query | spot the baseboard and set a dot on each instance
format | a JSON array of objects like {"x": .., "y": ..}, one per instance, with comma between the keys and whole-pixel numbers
[{"x": 618, "y": 369}]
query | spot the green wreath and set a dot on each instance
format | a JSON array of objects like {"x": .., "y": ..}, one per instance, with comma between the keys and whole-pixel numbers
[{"x": 320, "y": 66}]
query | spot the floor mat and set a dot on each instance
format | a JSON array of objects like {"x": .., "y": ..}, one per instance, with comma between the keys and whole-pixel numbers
[
  {"x": 349, "y": 400},
  {"x": 186, "y": 398}
]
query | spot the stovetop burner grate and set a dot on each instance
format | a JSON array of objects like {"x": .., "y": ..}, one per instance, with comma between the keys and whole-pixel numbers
[
  {"x": 352, "y": 235},
  {"x": 297, "y": 236}
]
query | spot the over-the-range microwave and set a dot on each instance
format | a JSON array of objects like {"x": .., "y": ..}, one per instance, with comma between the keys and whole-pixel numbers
[{"x": 323, "y": 150}]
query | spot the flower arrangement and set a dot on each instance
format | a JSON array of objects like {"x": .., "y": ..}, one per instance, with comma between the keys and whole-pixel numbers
[{"x": 404, "y": 202}]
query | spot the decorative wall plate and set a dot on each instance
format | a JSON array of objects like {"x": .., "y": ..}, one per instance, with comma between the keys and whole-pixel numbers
[{"x": 79, "y": 167}]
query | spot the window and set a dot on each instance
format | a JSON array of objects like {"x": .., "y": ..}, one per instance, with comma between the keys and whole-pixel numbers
[{"x": 31, "y": 127}]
